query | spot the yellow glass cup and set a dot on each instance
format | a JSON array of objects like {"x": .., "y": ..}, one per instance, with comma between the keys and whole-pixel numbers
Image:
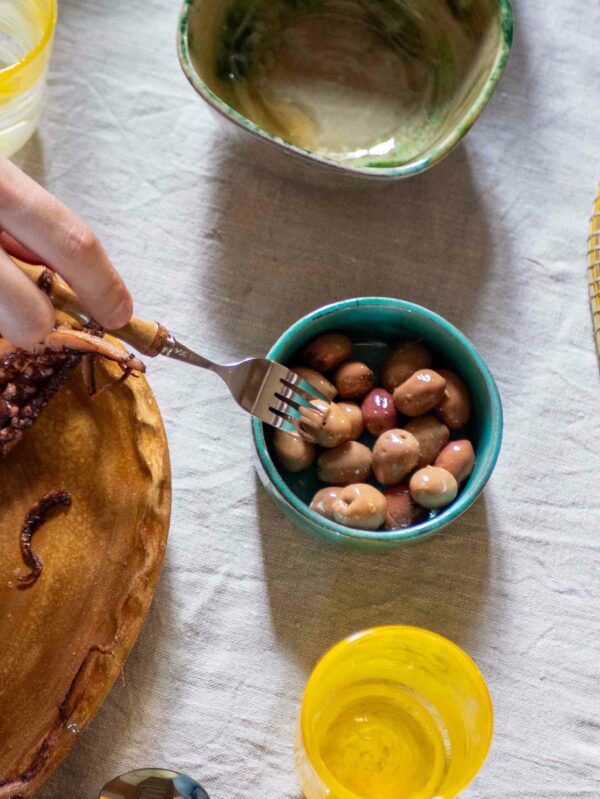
[
  {"x": 26, "y": 35},
  {"x": 393, "y": 713}
]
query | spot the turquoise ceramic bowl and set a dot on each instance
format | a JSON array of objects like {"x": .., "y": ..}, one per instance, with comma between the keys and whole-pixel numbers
[
  {"x": 372, "y": 319},
  {"x": 440, "y": 60}
]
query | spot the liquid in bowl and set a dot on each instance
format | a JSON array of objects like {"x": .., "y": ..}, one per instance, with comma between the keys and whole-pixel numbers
[{"x": 381, "y": 741}]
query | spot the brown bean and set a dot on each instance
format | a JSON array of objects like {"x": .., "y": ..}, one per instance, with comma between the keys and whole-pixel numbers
[
  {"x": 433, "y": 487},
  {"x": 401, "y": 511},
  {"x": 406, "y": 359},
  {"x": 323, "y": 500},
  {"x": 455, "y": 406},
  {"x": 420, "y": 393},
  {"x": 360, "y": 506},
  {"x": 328, "y": 428},
  {"x": 327, "y": 351},
  {"x": 432, "y": 436},
  {"x": 347, "y": 463},
  {"x": 293, "y": 452},
  {"x": 353, "y": 379},
  {"x": 395, "y": 454},
  {"x": 379, "y": 411},
  {"x": 317, "y": 380},
  {"x": 458, "y": 458},
  {"x": 356, "y": 418}
]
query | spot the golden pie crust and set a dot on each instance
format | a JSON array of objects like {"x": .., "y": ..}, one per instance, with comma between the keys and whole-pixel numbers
[{"x": 64, "y": 640}]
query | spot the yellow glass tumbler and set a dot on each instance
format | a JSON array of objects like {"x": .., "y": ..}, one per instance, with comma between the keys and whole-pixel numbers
[
  {"x": 26, "y": 34},
  {"x": 393, "y": 713}
]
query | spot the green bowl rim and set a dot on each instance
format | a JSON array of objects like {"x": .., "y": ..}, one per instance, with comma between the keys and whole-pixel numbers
[
  {"x": 468, "y": 495},
  {"x": 402, "y": 171}
]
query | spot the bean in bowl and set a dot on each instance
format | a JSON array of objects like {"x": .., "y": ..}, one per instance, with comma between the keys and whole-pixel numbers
[{"x": 391, "y": 443}]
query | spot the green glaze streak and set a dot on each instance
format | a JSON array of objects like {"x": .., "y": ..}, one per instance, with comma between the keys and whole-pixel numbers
[{"x": 245, "y": 22}]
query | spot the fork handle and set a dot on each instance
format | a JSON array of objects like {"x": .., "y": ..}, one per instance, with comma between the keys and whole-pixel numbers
[{"x": 148, "y": 338}]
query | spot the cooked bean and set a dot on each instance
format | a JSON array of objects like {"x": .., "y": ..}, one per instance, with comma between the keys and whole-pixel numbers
[
  {"x": 356, "y": 418},
  {"x": 402, "y": 511},
  {"x": 293, "y": 452},
  {"x": 420, "y": 393},
  {"x": 360, "y": 506},
  {"x": 347, "y": 463},
  {"x": 328, "y": 428},
  {"x": 317, "y": 380},
  {"x": 406, "y": 359},
  {"x": 327, "y": 351},
  {"x": 323, "y": 500},
  {"x": 432, "y": 436},
  {"x": 379, "y": 412},
  {"x": 433, "y": 487},
  {"x": 353, "y": 379},
  {"x": 458, "y": 458},
  {"x": 455, "y": 406},
  {"x": 395, "y": 454}
]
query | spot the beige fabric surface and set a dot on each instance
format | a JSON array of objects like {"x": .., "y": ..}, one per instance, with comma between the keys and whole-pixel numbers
[{"x": 229, "y": 255}]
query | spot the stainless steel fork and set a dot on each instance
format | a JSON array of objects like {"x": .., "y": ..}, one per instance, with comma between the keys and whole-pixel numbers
[
  {"x": 266, "y": 389},
  {"x": 273, "y": 393}
]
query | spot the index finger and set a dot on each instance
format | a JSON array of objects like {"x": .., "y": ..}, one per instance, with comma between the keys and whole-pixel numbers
[{"x": 47, "y": 227}]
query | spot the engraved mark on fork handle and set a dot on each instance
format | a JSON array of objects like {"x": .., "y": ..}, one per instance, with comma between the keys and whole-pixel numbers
[{"x": 179, "y": 352}]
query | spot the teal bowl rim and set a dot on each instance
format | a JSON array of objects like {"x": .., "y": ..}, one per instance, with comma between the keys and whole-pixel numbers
[
  {"x": 468, "y": 495},
  {"x": 440, "y": 151}
]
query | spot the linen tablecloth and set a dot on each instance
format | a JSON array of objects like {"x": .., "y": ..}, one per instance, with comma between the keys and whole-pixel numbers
[{"x": 228, "y": 255}]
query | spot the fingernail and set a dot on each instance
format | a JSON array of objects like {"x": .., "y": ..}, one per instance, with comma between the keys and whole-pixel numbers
[{"x": 121, "y": 314}]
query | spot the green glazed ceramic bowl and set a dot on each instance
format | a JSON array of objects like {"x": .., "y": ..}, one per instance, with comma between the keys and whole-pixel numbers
[
  {"x": 392, "y": 86},
  {"x": 390, "y": 320}
]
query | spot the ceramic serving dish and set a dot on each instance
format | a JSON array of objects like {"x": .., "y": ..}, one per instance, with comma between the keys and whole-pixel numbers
[
  {"x": 370, "y": 319},
  {"x": 66, "y": 636},
  {"x": 379, "y": 89}
]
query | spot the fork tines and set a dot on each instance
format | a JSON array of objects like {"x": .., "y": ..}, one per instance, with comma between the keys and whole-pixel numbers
[{"x": 295, "y": 398}]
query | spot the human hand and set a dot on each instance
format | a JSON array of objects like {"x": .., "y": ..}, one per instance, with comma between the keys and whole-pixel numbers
[{"x": 36, "y": 227}]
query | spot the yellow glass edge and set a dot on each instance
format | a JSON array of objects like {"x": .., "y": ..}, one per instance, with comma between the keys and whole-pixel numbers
[{"x": 9, "y": 72}]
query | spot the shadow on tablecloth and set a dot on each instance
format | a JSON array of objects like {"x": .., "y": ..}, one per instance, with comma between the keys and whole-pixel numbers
[
  {"x": 31, "y": 159},
  {"x": 279, "y": 248},
  {"x": 319, "y": 593}
]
